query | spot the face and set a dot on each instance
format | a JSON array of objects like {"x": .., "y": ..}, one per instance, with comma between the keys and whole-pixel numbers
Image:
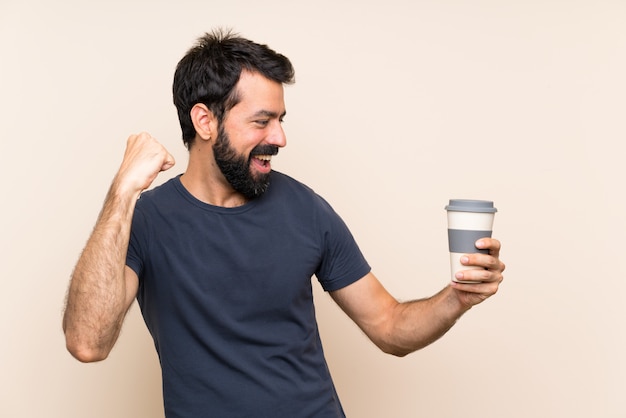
[{"x": 251, "y": 134}]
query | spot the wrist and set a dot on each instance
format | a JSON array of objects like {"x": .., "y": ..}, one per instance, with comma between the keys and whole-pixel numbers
[
  {"x": 455, "y": 301},
  {"x": 123, "y": 189}
]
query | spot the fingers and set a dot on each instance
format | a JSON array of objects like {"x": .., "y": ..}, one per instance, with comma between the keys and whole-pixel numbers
[
  {"x": 486, "y": 261},
  {"x": 491, "y": 244},
  {"x": 150, "y": 144},
  {"x": 491, "y": 261},
  {"x": 490, "y": 267},
  {"x": 168, "y": 163},
  {"x": 483, "y": 280},
  {"x": 480, "y": 275},
  {"x": 478, "y": 285},
  {"x": 475, "y": 293},
  {"x": 144, "y": 158}
]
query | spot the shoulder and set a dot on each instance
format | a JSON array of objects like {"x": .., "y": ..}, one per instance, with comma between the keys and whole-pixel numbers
[
  {"x": 164, "y": 191},
  {"x": 162, "y": 199},
  {"x": 289, "y": 198},
  {"x": 295, "y": 193},
  {"x": 283, "y": 181}
]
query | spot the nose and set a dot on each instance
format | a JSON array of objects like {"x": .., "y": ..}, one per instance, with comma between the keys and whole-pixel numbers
[{"x": 277, "y": 136}]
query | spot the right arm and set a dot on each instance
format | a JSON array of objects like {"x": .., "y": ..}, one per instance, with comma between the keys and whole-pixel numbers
[{"x": 102, "y": 287}]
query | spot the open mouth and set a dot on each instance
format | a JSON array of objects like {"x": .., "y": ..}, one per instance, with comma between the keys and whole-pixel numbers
[
  {"x": 262, "y": 156},
  {"x": 262, "y": 162}
]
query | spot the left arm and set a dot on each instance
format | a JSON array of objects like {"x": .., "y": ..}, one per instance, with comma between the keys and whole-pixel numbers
[{"x": 402, "y": 328}]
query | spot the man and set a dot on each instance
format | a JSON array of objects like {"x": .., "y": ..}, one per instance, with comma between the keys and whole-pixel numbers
[{"x": 221, "y": 257}]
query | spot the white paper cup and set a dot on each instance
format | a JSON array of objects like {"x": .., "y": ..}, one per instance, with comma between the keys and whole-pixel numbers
[{"x": 468, "y": 221}]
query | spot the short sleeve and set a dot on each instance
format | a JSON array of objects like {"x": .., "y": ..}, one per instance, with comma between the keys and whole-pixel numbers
[
  {"x": 342, "y": 262},
  {"x": 137, "y": 243}
]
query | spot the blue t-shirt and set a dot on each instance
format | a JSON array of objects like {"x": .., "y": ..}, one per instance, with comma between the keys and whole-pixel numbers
[{"x": 226, "y": 294}]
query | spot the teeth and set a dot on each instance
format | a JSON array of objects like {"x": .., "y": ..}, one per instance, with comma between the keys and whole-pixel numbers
[{"x": 263, "y": 157}]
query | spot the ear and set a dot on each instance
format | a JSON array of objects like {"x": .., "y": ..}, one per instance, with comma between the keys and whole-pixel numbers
[{"x": 204, "y": 121}]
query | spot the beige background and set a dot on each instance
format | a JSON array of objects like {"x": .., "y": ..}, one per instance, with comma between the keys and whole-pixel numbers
[{"x": 398, "y": 106}]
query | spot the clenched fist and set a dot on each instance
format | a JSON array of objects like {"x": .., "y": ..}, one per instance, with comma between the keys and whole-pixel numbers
[{"x": 144, "y": 159}]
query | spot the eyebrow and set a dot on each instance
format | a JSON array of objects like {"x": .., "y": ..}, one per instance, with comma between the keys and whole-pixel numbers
[{"x": 269, "y": 114}]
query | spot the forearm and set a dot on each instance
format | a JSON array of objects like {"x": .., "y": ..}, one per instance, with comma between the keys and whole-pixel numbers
[
  {"x": 401, "y": 328},
  {"x": 416, "y": 324},
  {"x": 98, "y": 297}
]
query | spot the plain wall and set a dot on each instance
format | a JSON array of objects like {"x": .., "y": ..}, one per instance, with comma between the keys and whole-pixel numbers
[{"x": 398, "y": 107}]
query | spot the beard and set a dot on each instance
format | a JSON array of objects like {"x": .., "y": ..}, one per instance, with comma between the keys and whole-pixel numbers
[{"x": 236, "y": 168}]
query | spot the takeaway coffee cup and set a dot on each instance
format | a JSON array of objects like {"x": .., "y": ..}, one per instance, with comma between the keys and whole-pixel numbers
[{"x": 468, "y": 221}]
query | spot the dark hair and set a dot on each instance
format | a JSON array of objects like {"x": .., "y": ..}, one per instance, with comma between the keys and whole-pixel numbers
[{"x": 210, "y": 70}]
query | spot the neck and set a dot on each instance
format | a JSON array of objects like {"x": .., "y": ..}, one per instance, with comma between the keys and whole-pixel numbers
[{"x": 206, "y": 183}]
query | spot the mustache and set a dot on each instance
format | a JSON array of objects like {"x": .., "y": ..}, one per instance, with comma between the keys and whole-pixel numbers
[{"x": 264, "y": 150}]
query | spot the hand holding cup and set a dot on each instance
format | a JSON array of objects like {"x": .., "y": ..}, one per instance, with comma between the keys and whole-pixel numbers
[{"x": 468, "y": 221}]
